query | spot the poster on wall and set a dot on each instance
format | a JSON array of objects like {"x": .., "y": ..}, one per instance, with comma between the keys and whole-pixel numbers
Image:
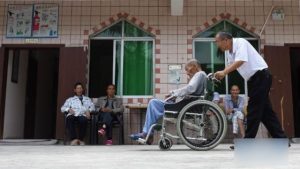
[
  {"x": 19, "y": 21},
  {"x": 45, "y": 20},
  {"x": 174, "y": 74}
]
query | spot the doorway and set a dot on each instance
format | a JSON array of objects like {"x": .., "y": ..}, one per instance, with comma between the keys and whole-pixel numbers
[
  {"x": 31, "y": 93},
  {"x": 295, "y": 69},
  {"x": 101, "y": 67}
]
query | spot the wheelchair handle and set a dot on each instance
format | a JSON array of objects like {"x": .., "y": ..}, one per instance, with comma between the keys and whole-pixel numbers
[{"x": 212, "y": 77}]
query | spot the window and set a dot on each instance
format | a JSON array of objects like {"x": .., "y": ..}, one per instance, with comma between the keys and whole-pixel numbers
[
  {"x": 212, "y": 59},
  {"x": 132, "y": 59}
]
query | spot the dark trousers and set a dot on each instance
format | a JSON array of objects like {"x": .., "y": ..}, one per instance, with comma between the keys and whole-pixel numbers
[
  {"x": 259, "y": 106},
  {"x": 107, "y": 118},
  {"x": 179, "y": 105},
  {"x": 72, "y": 121}
]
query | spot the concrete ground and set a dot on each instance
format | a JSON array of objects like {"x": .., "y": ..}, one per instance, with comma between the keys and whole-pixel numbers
[{"x": 123, "y": 157}]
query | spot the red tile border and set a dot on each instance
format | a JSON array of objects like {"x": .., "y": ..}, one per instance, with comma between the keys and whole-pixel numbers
[
  {"x": 86, "y": 32},
  {"x": 236, "y": 20},
  {"x": 95, "y": 29},
  {"x": 157, "y": 70},
  {"x": 157, "y": 41},
  {"x": 140, "y": 100},
  {"x": 157, "y": 51},
  {"x": 252, "y": 29},
  {"x": 157, "y": 32},
  {"x": 222, "y": 15},
  {"x": 157, "y": 61},
  {"x": 189, "y": 51},
  {"x": 244, "y": 25},
  {"x": 228, "y": 15},
  {"x": 214, "y": 20},
  {"x": 85, "y": 42},
  {"x": 157, "y": 80},
  {"x": 149, "y": 29},
  {"x": 189, "y": 32},
  {"x": 125, "y": 15},
  {"x": 206, "y": 24},
  {"x": 133, "y": 19},
  {"x": 190, "y": 41},
  {"x": 141, "y": 25},
  {"x": 130, "y": 100},
  {"x": 111, "y": 20},
  {"x": 157, "y": 90},
  {"x": 119, "y": 15},
  {"x": 103, "y": 24}
]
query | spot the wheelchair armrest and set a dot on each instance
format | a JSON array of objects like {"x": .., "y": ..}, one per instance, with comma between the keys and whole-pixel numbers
[{"x": 195, "y": 96}]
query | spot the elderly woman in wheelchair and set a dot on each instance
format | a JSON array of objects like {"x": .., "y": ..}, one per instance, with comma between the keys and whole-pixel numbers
[{"x": 200, "y": 123}]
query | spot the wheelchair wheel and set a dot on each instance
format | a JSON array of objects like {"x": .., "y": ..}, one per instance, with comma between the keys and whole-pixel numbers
[
  {"x": 201, "y": 125},
  {"x": 165, "y": 143}
]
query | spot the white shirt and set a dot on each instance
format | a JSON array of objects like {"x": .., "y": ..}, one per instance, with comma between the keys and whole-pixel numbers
[
  {"x": 80, "y": 107},
  {"x": 242, "y": 50},
  {"x": 195, "y": 86}
]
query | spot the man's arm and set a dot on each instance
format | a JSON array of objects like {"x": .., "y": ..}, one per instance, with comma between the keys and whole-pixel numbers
[
  {"x": 66, "y": 106},
  {"x": 91, "y": 105},
  {"x": 120, "y": 107},
  {"x": 192, "y": 86},
  {"x": 221, "y": 74}
]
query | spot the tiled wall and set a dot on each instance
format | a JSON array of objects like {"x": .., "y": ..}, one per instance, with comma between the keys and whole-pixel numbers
[{"x": 173, "y": 34}]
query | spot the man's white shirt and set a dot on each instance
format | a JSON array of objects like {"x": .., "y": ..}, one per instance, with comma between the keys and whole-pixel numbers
[
  {"x": 79, "y": 107},
  {"x": 242, "y": 50}
]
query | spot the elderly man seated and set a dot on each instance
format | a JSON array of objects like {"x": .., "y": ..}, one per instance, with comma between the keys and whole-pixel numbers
[
  {"x": 78, "y": 110},
  {"x": 155, "y": 110}
]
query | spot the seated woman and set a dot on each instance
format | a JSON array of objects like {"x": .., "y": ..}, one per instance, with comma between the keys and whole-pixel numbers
[
  {"x": 156, "y": 108},
  {"x": 234, "y": 105},
  {"x": 109, "y": 106}
]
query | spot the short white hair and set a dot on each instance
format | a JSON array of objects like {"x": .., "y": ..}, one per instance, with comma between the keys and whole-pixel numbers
[{"x": 193, "y": 62}]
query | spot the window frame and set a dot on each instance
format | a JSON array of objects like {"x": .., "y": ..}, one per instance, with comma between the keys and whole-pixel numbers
[{"x": 123, "y": 39}]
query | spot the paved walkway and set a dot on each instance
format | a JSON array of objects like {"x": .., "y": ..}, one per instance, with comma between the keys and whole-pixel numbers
[{"x": 124, "y": 157}]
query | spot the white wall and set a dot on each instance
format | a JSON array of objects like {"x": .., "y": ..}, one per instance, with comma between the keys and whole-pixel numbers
[{"x": 15, "y": 98}]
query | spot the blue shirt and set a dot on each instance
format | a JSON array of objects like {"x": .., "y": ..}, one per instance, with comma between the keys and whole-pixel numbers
[{"x": 229, "y": 103}]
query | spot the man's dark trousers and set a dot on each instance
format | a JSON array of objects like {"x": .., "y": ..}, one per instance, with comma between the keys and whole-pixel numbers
[
  {"x": 259, "y": 106},
  {"x": 71, "y": 125}
]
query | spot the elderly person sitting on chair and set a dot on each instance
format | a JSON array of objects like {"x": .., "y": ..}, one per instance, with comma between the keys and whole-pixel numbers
[
  {"x": 156, "y": 108},
  {"x": 78, "y": 110}
]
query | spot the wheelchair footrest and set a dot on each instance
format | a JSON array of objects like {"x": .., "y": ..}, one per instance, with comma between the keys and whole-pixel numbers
[{"x": 141, "y": 141}]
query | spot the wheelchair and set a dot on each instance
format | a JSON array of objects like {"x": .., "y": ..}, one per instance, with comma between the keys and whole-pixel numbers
[{"x": 200, "y": 124}]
